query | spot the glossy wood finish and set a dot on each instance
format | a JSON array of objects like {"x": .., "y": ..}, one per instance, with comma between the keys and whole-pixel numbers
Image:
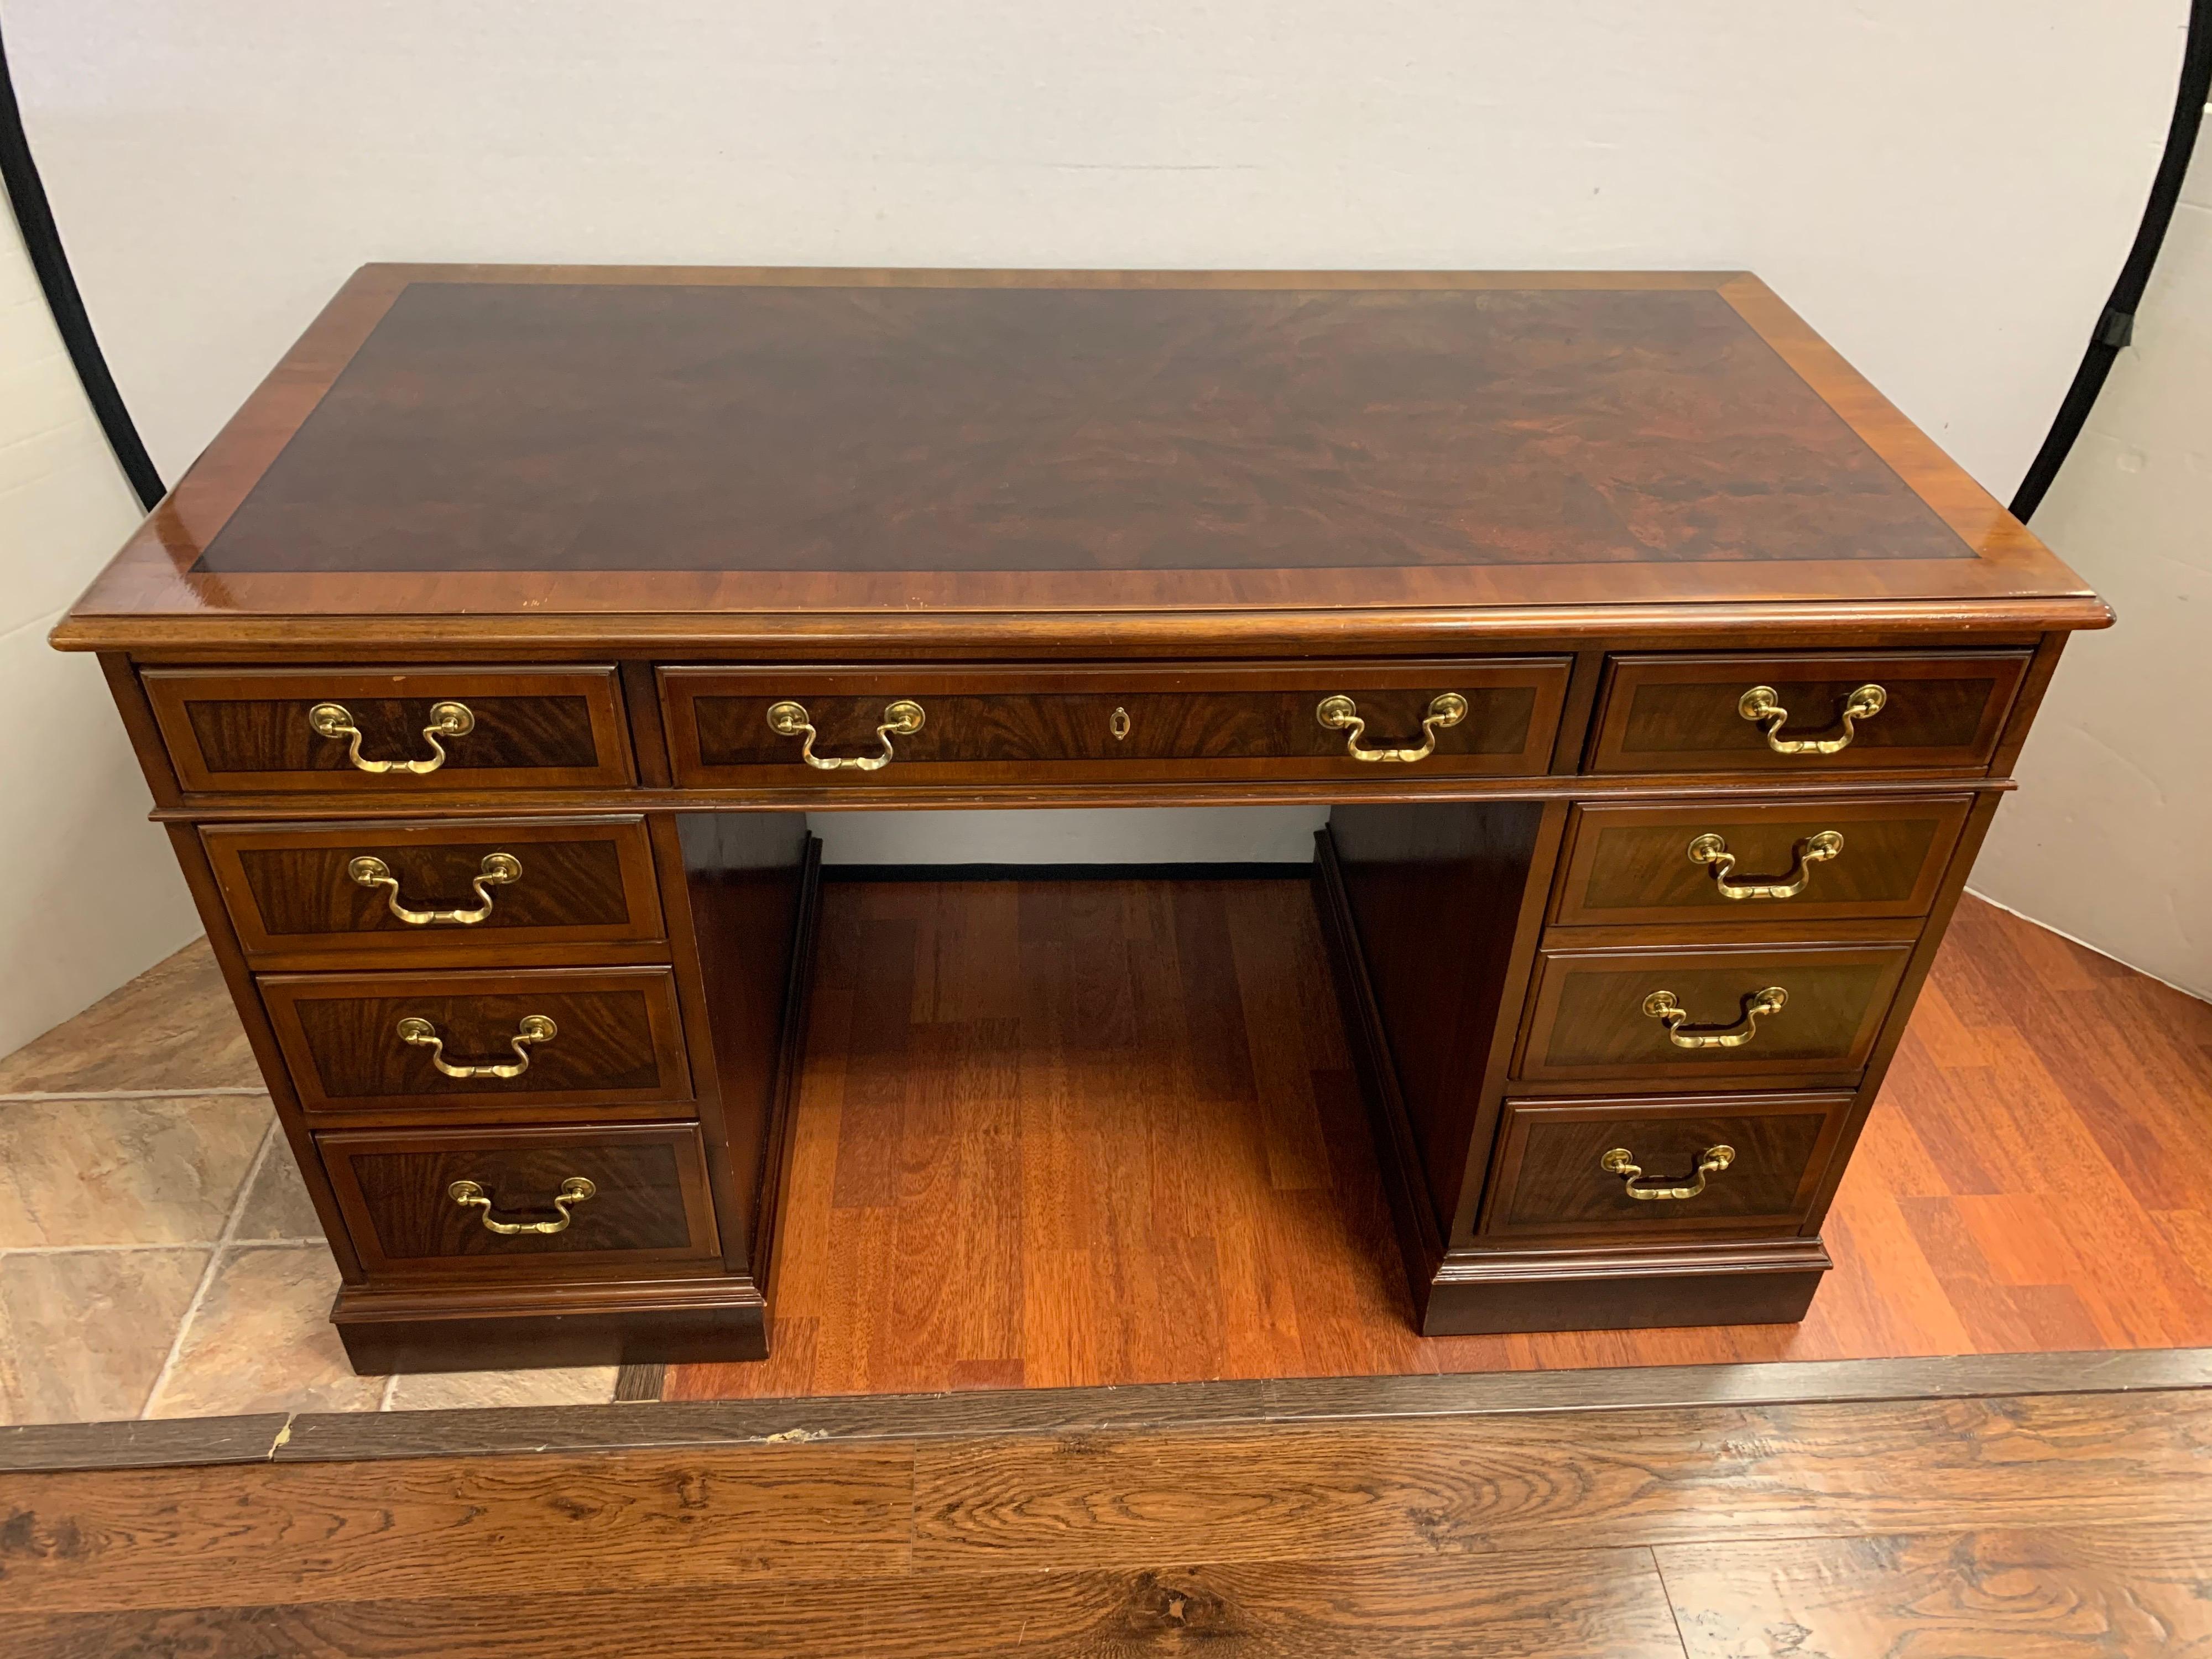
[
  {"x": 1680, "y": 713},
  {"x": 1552, "y": 1180},
  {"x": 1587, "y": 1022},
  {"x": 248, "y": 729},
  {"x": 584, "y": 882},
  {"x": 618, "y": 1041},
  {"x": 650, "y": 1204},
  {"x": 1062, "y": 723},
  {"x": 2030, "y": 1526},
  {"x": 1626, "y": 864},
  {"x": 622, "y": 511},
  {"x": 2018, "y": 1150},
  {"x": 1294, "y": 406}
]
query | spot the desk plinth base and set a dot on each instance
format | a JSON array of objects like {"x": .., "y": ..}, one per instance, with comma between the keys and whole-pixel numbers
[
  {"x": 437, "y": 1328},
  {"x": 1488, "y": 1293}
]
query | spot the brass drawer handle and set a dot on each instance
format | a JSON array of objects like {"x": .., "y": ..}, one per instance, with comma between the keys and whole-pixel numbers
[
  {"x": 1622, "y": 1163},
  {"x": 573, "y": 1191},
  {"x": 1813, "y": 849},
  {"x": 535, "y": 1028},
  {"x": 1761, "y": 707},
  {"x": 496, "y": 870},
  {"x": 448, "y": 719},
  {"x": 1662, "y": 1007},
  {"x": 901, "y": 719},
  {"x": 1341, "y": 714}
]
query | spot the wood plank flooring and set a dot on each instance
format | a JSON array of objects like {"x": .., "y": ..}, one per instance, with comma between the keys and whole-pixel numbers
[
  {"x": 1059, "y": 1134},
  {"x": 2023, "y": 1526}
]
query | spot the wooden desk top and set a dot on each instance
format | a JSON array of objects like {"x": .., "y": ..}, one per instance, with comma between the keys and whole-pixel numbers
[{"x": 514, "y": 457}]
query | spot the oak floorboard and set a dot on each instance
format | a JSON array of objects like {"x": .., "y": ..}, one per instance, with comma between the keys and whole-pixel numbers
[
  {"x": 2005, "y": 1592},
  {"x": 91, "y": 1541},
  {"x": 1146, "y": 1160},
  {"x": 1597, "y": 1604},
  {"x": 1562, "y": 1481}
]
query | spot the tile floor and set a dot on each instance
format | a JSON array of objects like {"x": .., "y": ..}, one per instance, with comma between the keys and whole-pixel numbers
[{"x": 158, "y": 1253}]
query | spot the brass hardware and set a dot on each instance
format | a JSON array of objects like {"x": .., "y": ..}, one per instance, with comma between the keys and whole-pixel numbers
[
  {"x": 1622, "y": 1163},
  {"x": 1760, "y": 706},
  {"x": 902, "y": 718},
  {"x": 1662, "y": 1007},
  {"x": 534, "y": 1027},
  {"x": 448, "y": 719},
  {"x": 496, "y": 870},
  {"x": 1119, "y": 726},
  {"x": 573, "y": 1191},
  {"x": 1813, "y": 849},
  {"x": 1341, "y": 714}
]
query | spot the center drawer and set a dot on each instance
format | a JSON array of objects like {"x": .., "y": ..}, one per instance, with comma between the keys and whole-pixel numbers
[
  {"x": 802, "y": 726},
  {"x": 491, "y": 1046}
]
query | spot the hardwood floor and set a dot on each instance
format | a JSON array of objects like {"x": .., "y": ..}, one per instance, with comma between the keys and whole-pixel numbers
[
  {"x": 1104, "y": 1131},
  {"x": 2023, "y": 1526}
]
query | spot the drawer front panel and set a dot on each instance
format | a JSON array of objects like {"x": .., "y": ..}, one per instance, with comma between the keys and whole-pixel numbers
[
  {"x": 1594, "y": 1019},
  {"x": 1843, "y": 859},
  {"x": 1552, "y": 1174},
  {"x": 1074, "y": 724},
  {"x": 647, "y": 1199},
  {"x": 443, "y": 892},
  {"x": 252, "y": 730},
  {"x": 615, "y": 1039},
  {"x": 1686, "y": 714}
]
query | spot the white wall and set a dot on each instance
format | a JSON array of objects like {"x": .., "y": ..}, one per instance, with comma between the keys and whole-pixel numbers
[
  {"x": 1945, "y": 191},
  {"x": 89, "y": 894},
  {"x": 2106, "y": 839}
]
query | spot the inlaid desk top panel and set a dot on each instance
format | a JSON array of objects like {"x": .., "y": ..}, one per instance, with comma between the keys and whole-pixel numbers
[{"x": 702, "y": 451}]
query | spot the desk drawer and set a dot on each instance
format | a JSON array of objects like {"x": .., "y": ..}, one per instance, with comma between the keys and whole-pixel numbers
[
  {"x": 1659, "y": 1017},
  {"x": 406, "y": 732},
  {"x": 746, "y": 725},
  {"x": 647, "y": 1200},
  {"x": 1725, "y": 860},
  {"x": 1703, "y": 714},
  {"x": 567, "y": 1037},
  {"x": 449, "y": 891},
  {"x": 1721, "y": 1163}
]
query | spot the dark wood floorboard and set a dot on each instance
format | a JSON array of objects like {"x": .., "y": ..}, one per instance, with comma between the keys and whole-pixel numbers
[
  {"x": 1065, "y": 1133},
  {"x": 2016, "y": 1527}
]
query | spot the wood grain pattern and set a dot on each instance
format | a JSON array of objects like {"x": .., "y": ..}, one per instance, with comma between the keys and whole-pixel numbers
[
  {"x": 650, "y": 1202},
  {"x": 510, "y": 1528},
  {"x": 1628, "y": 864},
  {"x": 2016, "y": 1152},
  {"x": 583, "y": 883},
  {"x": 1587, "y": 1022},
  {"x": 2028, "y": 1525},
  {"x": 1292, "y": 447},
  {"x": 2020, "y": 1592},
  {"x": 1513, "y": 1484},
  {"x": 1061, "y": 724},
  {"x": 1595, "y": 1604},
  {"x": 1551, "y": 1181},
  {"x": 618, "y": 1042},
  {"x": 1679, "y": 714},
  {"x": 247, "y": 729}
]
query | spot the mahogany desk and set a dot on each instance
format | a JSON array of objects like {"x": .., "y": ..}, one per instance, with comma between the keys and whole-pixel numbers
[{"x": 1661, "y": 678}]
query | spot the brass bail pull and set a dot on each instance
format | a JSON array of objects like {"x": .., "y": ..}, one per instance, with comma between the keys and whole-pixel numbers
[
  {"x": 1621, "y": 1162},
  {"x": 1712, "y": 850},
  {"x": 790, "y": 720},
  {"x": 1341, "y": 714},
  {"x": 495, "y": 870},
  {"x": 448, "y": 719},
  {"x": 1763, "y": 708},
  {"x": 471, "y": 1195},
  {"x": 1663, "y": 1006}
]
